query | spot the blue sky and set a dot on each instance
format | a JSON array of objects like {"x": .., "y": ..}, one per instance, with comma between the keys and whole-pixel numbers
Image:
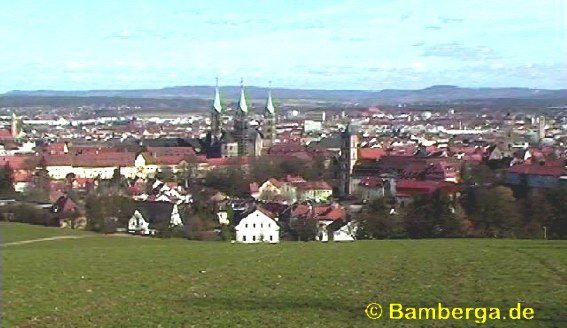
[{"x": 319, "y": 44}]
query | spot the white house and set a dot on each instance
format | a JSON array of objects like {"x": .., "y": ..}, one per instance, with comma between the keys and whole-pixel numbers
[
  {"x": 337, "y": 231},
  {"x": 256, "y": 227},
  {"x": 149, "y": 216}
]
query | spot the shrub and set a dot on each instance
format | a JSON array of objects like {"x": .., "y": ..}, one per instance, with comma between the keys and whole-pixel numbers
[{"x": 227, "y": 233}]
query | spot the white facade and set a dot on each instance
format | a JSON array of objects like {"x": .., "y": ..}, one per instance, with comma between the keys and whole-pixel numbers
[
  {"x": 138, "y": 223},
  {"x": 258, "y": 227},
  {"x": 60, "y": 172},
  {"x": 345, "y": 233}
]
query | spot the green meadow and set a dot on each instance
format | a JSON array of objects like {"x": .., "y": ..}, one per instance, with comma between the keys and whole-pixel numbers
[
  {"x": 112, "y": 281},
  {"x": 16, "y": 232}
]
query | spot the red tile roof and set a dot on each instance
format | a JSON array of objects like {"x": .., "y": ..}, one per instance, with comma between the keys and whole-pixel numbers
[
  {"x": 55, "y": 148},
  {"x": 536, "y": 169},
  {"x": 300, "y": 210},
  {"x": 276, "y": 183},
  {"x": 371, "y": 182},
  {"x": 169, "y": 151},
  {"x": 312, "y": 185},
  {"x": 326, "y": 212},
  {"x": 5, "y": 133},
  {"x": 58, "y": 160},
  {"x": 268, "y": 213},
  {"x": 155, "y": 159},
  {"x": 91, "y": 159},
  {"x": 286, "y": 148},
  {"x": 291, "y": 178},
  {"x": 254, "y": 187},
  {"x": 104, "y": 160},
  {"x": 20, "y": 162},
  {"x": 229, "y": 161},
  {"x": 371, "y": 153},
  {"x": 416, "y": 187}
]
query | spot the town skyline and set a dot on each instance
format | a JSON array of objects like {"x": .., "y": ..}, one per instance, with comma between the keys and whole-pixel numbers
[{"x": 320, "y": 45}]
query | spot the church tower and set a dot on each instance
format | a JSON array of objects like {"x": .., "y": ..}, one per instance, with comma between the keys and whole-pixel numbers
[
  {"x": 269, "y": 124},
  {"x": 16, "y": 126},
  {"x": 216, "y": 112},
  {"x": 241, "y": 123},
  {"x": 347, "y": 160}
]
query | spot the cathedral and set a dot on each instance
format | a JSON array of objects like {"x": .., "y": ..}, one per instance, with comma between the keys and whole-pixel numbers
[{"x": 241, "y": 140}]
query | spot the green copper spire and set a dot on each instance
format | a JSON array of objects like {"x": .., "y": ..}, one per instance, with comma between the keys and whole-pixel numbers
[
  {"x": 217, "y": 107},
  {"x": 242, "y": 107},
  {"x": 269, "y": 104}
]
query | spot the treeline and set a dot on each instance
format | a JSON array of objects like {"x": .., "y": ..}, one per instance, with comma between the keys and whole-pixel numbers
[
  {"x": 264, "y": 168},
  {"x": 483, "y": 212}
]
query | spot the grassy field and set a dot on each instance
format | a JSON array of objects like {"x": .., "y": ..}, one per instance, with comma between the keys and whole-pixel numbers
[
  {"x": 108, "y": 281},
  {"x": 14, "y": 232}
]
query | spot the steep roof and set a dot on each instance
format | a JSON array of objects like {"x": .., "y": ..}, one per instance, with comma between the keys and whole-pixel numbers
[
  {"x": 217, "y": 107},
  {"x": 242, "y": 106},
  {"x": 155, "y": 212},
  {"x": 269, "y": 109}
]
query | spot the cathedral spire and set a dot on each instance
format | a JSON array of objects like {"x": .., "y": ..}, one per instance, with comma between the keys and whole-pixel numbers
[
  {"x": 270, "y": 110},
  {"x": 242, "y": 107},
  {"x": 241, "y": 124},
  {"x": 216, "y": 112},
  {"x": 217, "y": 107}
]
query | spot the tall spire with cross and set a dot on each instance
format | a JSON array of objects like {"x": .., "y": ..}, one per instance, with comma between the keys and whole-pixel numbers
[
  {"x": 241, "y": 123},
  {"x": 269, "y": 110},
  {"x": 216, "y": 112},
  {"x": 242, "y": 106},
  {"x": 269, "y": 123}
]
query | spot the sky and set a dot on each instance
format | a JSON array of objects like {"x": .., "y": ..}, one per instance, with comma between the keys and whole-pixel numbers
[{"x": 315, "y": 44}]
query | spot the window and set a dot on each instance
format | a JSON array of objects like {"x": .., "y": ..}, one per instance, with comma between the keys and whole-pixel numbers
[
  {"x": 271, "y": 238},
  {"x": 253, "y": 238},
  {"x": 254, "y": 225},
  {"x": 243, "y": 238},
  {"x": 269, "y": 225},
  {"x": 261, "y": 225},
  {"x": 246, "y": 225}
]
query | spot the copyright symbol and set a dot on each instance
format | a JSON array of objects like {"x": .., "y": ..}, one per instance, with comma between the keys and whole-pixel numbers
[{"x": 373, "y": 311}]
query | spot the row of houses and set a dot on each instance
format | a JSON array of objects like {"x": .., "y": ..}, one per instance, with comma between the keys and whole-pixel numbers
[
  {"x": 104, "y": 165},
  {"x": 291, "y": 189}
]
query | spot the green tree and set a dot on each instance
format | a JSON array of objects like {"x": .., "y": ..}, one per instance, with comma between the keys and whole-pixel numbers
[
  {"x": 305, "y": 229},
  {"x": 375, "y": 222},
  {"x": 41, "y": 181},
  {"x": 537, "y": 211},
  {"x": 557, "y": 222},
  {"x": 430, "y": 216},
  {"x": 6, "y": 181},
  {"x": 233, "y": 181},
  {"x": 496, "y": 213},
  {"x": 117, "y": 178},
  {"x": 101, "y": 207}
]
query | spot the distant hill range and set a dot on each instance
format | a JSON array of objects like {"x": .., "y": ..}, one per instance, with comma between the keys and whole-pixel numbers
[{"x": 434, "y": 94}]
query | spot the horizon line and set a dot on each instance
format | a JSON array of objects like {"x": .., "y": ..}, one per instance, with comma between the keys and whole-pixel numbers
[{"x": 272, "y": 87}]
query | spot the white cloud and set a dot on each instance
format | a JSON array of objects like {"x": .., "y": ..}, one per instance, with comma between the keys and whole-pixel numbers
[
  {"x": 418, "y": 66},
  {"x": 77, "y": 65}
]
